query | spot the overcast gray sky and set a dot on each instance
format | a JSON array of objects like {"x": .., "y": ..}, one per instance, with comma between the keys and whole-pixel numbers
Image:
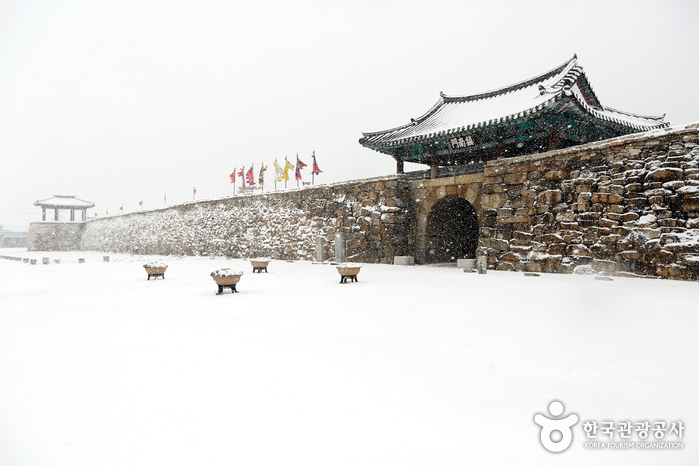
[{"x": 122, "y": 101}]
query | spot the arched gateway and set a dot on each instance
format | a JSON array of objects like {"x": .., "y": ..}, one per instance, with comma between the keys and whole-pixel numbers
[
  {"x": 451, "y": 232},
  {"x": 447, "y": 218}
]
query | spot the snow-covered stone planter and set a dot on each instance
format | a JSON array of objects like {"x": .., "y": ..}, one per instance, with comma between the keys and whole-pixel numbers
[
  {"x": 226, "y": 278},
  {"x": 348, "y": 271},
  {"x": 259, "y": 264},
  {"x": 155, "y": 269}
]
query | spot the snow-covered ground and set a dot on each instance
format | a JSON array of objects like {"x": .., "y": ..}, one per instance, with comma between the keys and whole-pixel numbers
[{"x": 408, "y": 366}]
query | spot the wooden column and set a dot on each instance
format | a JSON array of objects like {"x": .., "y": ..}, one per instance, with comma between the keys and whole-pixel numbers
[
  {"x": 72, "y": 215},
  {"x": 55, "y": 215},
  {"x": 553, "y": 141},
  {"x": 84, "y": 215},
  {"x": 43, "y": 214},
  {"x": 433, "y": 167},
  {"x": 400, "y": 167}
]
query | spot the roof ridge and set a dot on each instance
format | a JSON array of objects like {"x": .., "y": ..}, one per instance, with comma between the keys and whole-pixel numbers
[{"x": 516, "y": 86}]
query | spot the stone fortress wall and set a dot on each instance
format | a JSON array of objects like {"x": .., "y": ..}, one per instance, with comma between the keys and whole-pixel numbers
[
  {"x": 55, "y": 236},
  {"x": 628, "y": 205},
  {"x": 373, "y": 214}
]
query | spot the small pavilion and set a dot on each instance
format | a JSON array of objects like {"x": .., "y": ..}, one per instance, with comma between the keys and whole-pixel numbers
[
  {"x": 551, "y": 111},
  {"x": 58, "y": 202}
]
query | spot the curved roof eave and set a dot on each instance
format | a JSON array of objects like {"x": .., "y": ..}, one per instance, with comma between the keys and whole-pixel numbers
[
  {"x": 479, "y": 125},
  {"x": 65, "y": 202},
  {"x": 443, "y": 98}
]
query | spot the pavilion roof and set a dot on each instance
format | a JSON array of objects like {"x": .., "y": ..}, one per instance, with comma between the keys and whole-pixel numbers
[
  {"x": 518, "y": 101},
  {"x": 64, "y": 202}
]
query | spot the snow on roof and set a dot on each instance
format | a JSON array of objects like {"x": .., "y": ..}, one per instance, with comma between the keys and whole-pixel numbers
[
  {"x": 454, "y": 113},
  {"x": 64, "y": 202}
]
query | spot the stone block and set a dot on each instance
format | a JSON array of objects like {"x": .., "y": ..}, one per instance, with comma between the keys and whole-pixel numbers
[
  {"x": 514, "y": 219},
  {"x": 551, "y": 196},
  {"x": 556, "y": 175},
  {"x": 524, "y": 236},
  {"x": 606, "y": 266},
  {"x": 565, "y": 216},
  {"x": 506, "y": 266},
  {"x": 493, "y": 201},
  {"x": 466, "y": 264},
  {"x": 599, "y": 198},
  {"x": 630, "y": 255},
  {"x": 557, "y": 248},
  {"x": 607, "y": 223},
  {"x": 664, "y": 174},
  {"x": 691, "y": 204},
  {"x": 616, "y": 209},
  {"x": 515, "y": 178},
  {"x": 403, "y": 260},
  {"x": 549, "y": 238}
]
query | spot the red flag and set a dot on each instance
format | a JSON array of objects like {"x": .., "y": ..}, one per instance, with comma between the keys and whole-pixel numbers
[
  {"x": 121, "y": 208},
  {"x": 241, "y": 174},
  {"x": 107, "y": 212},
  {"x": 251, "y": 177},
  {"x": 316, "y": 170},
  {"x": 195, "y": 189},
  {"x": 140, "y": 203},
  {"x": 299, "y": 166},
  {"x": 95, "y": 214},
  {"x": 232, "y": 175}
]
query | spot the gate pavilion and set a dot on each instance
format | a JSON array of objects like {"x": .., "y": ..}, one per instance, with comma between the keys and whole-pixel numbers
[
  {"x": 58, "y": 202},
  {"x": 555, "y": 110}
]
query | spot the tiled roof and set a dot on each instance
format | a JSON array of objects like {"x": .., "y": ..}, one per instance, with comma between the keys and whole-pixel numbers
[
  {"x": 64, "y": 202},
  {"x": 451, "y": 114}
]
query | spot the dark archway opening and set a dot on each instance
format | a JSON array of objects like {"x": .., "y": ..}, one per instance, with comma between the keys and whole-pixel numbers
[{"x": 452, "y": 231}]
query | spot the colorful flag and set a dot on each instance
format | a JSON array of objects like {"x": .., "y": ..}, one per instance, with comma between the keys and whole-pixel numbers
[
  {"x": 261, "y": 178},
  {"x": 95, "y": 214},
  {"x": 299, "y": 166},
  {"x": 251, "y": 176},
  {"x": 195, "y": 190},
  {"x": 277, "y": 171},
  {"x": 241, "y": 174},
  {"x": 285, "y": 170},
  {"x": 140, "y": 203},
  {"x": 316, "y": 170},
  {"x": 121, "y": 208},
  {"x": 232, "y": 175}
]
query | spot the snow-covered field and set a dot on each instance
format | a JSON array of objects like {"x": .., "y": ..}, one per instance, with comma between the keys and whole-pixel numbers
[{"x": 408, "y": 366}]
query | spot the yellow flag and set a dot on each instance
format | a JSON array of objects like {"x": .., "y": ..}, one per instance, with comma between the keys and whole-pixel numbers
[
  {"x": 277, "y": 171},
  {"x": 285, "y": 171}
]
